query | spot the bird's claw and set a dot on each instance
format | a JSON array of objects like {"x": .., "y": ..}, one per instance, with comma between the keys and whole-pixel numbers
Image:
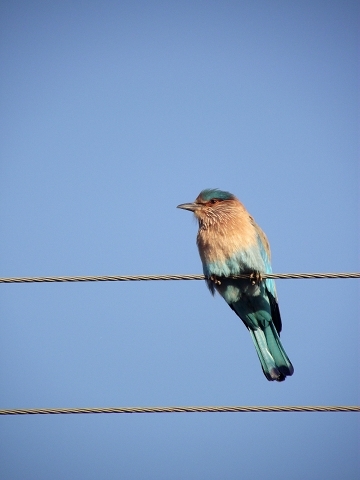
[
  {"x": 255, "y": 278},
  {"x": 215, "y": 279}
]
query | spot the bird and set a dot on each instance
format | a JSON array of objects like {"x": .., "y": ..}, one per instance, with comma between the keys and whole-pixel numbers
[{"x": 230, "y": 243}]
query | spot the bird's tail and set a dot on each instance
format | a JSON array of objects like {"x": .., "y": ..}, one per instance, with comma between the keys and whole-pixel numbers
[{"x": 274, "y": 361}]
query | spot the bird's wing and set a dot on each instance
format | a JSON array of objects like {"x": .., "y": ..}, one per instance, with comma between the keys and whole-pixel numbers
[
  {"x": 265, "y": 252},
  {"x": 269, "y": 282},
  {"x": 263, "y": 239}
]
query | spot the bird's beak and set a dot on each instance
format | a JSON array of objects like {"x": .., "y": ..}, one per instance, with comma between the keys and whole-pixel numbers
[{"x": 189, "y": 206}]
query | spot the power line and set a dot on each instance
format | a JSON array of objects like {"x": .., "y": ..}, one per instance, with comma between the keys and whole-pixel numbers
[
  {"x": 201, "y": 409},
  {"x": 132, "y": 278},
  {"x": 204, "y": 409}
]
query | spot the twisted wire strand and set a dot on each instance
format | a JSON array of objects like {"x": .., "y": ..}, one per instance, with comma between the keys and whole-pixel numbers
[
  {"x": 132, "y": 278},
  {"x": 200, "y": 409},
  {"x": 204, "y": 409}
]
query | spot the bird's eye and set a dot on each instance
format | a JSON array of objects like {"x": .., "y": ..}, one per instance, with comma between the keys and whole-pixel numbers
[{"x": 214, "y": 200}]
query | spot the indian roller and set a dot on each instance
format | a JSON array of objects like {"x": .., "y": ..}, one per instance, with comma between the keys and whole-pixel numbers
[{"x": 231, "y": 243}]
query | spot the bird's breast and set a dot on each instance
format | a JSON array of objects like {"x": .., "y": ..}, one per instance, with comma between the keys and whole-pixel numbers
[{"x": 227, "y": 249}]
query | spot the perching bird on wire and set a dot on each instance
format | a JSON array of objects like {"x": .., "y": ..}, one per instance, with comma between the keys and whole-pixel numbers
[{"x": 231, "y": 243}]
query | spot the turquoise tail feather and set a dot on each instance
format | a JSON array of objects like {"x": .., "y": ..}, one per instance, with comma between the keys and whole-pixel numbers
[{"x": 274, "y": 361}]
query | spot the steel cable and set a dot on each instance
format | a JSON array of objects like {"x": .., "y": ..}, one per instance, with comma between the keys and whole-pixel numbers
[
  {"x": 204, "y": 409},
  {"x": 132, "y": 278}
]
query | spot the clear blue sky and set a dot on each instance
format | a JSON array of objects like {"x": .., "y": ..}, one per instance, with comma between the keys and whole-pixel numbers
[{"x": 114, "y": 112}]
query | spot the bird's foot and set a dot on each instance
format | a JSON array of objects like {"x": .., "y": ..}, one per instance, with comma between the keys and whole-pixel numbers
[
  {"x": 255, "y": 278},
  {"x": 215, "y": 279}
]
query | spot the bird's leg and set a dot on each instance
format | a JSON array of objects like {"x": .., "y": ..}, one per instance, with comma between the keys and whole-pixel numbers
[
  {"x": 255, "y": 278},
  {"x": 215, "y": 279}
]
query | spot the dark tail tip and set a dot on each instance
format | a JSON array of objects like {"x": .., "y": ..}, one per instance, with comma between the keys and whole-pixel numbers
[{"x": 279, "y": 374}]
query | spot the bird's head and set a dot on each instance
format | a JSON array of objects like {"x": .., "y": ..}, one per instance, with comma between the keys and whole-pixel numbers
[{"x": 211, "y": 205}]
